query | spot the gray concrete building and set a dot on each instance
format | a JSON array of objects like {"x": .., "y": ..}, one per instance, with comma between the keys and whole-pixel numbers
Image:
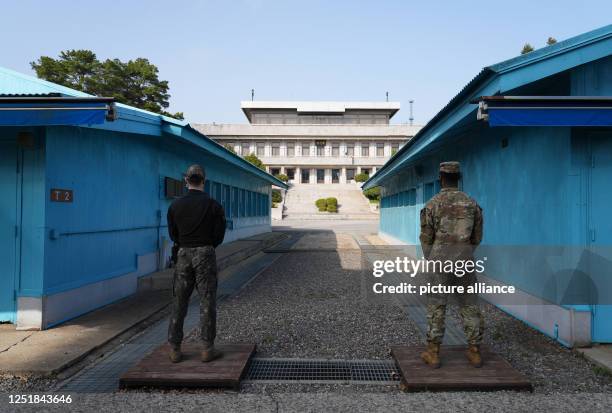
[{"x": 316, "y": 142}]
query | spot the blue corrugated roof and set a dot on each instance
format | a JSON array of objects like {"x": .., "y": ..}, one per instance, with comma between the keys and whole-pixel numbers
[{"x": 485, "y": 75}]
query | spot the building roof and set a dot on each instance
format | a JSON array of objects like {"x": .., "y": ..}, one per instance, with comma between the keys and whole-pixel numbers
[
  {"x": 499, "y": 78},
  {"x": 240, "y": 131},
  {"x": 128, "y": 119},
  {"x": 313, "y": 107}
]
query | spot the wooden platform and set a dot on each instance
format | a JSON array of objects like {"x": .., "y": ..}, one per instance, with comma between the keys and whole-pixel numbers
[
  {"x": 157, "y": 370},
  {"x": 455, "y": 372}
]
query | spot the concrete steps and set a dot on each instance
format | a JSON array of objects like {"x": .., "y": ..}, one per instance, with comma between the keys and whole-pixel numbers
[{"x": 300, "y": 202}]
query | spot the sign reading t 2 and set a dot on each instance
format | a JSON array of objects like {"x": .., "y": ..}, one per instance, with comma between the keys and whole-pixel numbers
[{"x": 61, "y": 195}]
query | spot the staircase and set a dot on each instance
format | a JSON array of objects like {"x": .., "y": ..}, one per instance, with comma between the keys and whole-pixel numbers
[{"x": 300, "y": 202}]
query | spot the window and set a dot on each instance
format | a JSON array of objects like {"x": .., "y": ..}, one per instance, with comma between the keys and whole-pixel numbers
[
  {"x": 320, "y": 176},
  {"x": 261, "y": 149},
  {"x": 245, "y": 149},
  {"x": 174, "y": 188},
  {"x": 428, "y": 191},
  {"x": 290, "y": 149},
  {"x": 235, "y": 201},
  {"x": 380, "y": 149},
  {"x": 365, "y": 150},
  {"x": 242, "y": 203},
  {"x": 305, "y": 149},
  {"x": 275, "y": 150},
  {"x": 227, "y": 201},
  {"x": 335, "y": 150},
  {"x": 291, "y": 173},
  {"x": 335, "y": 176},
  {"x": 305, "y": 176},
  {"x": 350, "y": 149},
  {"x": 274, "y": 171},
  {"x": 365, "y": 171},
  {"x": 350, "y": 174},
  {"x": 394, "y": 148},
  {"x": 320, "y": 150}
]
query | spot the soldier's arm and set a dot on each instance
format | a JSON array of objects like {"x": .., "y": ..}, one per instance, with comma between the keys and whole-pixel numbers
[
  {"x": 172, "y": 229},
  {"x": 219, "y": 226},
  {"x": 427, "y": 236},
  {"x": 477, "y": 229}
]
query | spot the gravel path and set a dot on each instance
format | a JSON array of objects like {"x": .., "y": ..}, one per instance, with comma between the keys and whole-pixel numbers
[{"x": 309, "y": 305}]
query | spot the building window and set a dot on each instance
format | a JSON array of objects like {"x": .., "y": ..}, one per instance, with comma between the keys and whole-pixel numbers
[
  {"x": 261, "y": 151},
  {"x": 305, "y": 176},
  {"x": 365, "y": 171},
  {"x": 291, "y": 173},
  {"x": 394, "y": 148},
  {"x": 350, "y": 149},
  {"x": 365, "y": 150},
  {"x": 320, "y": 150},
  {"x": 320, "y": 176},
  {"x": 350, "y": 174},
  {"x": 305, "y": 149},
  {"x": 380, "y": 149},
  {"x": 335, "y": 176},
  {"x": 335, "y": 150},
  {"x": 275, "y": 150},
  {"x": 245, "y": 150},
  {"x": 290, "y": 149}
]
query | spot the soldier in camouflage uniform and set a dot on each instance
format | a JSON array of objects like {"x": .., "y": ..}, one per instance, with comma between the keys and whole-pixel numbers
[
  {"x": 451, "y": 228},
  {"x": 196, "y": 223}
]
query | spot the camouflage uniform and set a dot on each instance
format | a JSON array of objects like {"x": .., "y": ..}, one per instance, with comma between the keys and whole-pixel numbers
[
  {"x": 451, "y": 227},
  {"x": 195, "y": 267}
]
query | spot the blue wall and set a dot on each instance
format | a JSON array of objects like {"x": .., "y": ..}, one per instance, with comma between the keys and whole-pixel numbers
[{"x": 534, "y": 185}]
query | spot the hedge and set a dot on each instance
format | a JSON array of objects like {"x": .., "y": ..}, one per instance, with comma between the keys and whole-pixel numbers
[
  {"x": 276, "y": 196},
  {"x": 361, "y": 177}
]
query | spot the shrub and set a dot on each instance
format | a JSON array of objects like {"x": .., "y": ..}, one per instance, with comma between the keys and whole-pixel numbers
[
  {"x": 332, "y": 208},
  {"x": 321, "y": 204},
  {"x": 372, "y": 193},
  {"x": 276, "y": 196},
  {"x": 361, "y": 177},
  {"x": 252, "y": 158},
  {"x": 282, "y": 177},
  {"x": 332, "y": 201},
  {"x": 274, "y": 205}
]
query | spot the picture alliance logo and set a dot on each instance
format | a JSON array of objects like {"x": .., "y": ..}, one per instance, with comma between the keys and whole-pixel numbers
[{"x": 410, "y": 267}]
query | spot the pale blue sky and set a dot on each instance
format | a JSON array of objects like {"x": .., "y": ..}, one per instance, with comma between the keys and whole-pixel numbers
[{"x": 214, "y": 52}]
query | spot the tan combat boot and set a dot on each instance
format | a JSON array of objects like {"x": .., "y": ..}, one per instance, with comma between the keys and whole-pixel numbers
[
  {"x": 431, "y": 356},
  {"x": 175, "y": 354},
  {"x": 210, "y": 353},
  {"x": 473, "y": 355}
]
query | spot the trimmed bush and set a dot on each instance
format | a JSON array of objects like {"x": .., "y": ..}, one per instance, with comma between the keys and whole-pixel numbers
[
  {"x": 372, "y": 194},
  {"x": 321, "y": 204},
  {"x": 332, "y": 208},
  {"x": 361, "y": 177},
  {"x": 332, "y": 201},
  {"x": 276, "y": 196},
  {"x": 282, "y": 177}
]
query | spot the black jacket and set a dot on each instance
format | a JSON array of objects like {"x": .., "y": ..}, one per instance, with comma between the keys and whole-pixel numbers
[{"x": 196, "y": 220}]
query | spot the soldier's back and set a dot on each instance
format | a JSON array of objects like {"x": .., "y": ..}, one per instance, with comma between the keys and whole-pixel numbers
[{"x": 455, "y": 215}]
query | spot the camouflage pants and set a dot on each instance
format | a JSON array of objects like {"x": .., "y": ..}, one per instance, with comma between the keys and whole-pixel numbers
[
  {"x": 473, "y": 322},
  {"x": 195, "y": 267}
]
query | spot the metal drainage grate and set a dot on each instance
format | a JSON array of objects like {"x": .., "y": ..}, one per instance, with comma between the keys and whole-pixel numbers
[{"x": 323, "y": 371}]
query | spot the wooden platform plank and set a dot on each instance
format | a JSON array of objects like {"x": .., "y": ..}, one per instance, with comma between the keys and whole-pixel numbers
[
  {"x": 156, "y": 369},
  {"x": 455, "y": 372}
]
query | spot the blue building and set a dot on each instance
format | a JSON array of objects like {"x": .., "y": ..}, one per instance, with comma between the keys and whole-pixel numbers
[
  {"x": 534, "y": 138},
  {"x": 85, "y": 187}
]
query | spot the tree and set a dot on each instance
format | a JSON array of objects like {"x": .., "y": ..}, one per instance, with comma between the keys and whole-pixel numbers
[
  {"x": 551, "y": 41},
  {"x": 134, "y": 82},
  {"x": 229, "y": 148},
  {"x": 527, "y": 48},
  {"x": 255, "y": 161}
]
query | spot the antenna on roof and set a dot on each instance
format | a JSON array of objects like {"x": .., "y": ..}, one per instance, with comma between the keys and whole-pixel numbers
[
  {"x": 411, "y": 118},
  {"x": 387, "y": 94},
  {"x": 252, "y": 94}
]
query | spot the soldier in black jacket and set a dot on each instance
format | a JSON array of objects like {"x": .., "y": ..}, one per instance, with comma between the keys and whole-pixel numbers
[{"x": 196, "y": 223}]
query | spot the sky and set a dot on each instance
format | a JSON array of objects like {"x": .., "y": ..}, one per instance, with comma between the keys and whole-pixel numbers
[{"x": 214, "y": 52}]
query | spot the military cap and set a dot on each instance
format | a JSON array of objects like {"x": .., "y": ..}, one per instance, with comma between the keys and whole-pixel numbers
[
  {"x": 194, "y": 170},
  {"x": 449, "y": 167}
]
